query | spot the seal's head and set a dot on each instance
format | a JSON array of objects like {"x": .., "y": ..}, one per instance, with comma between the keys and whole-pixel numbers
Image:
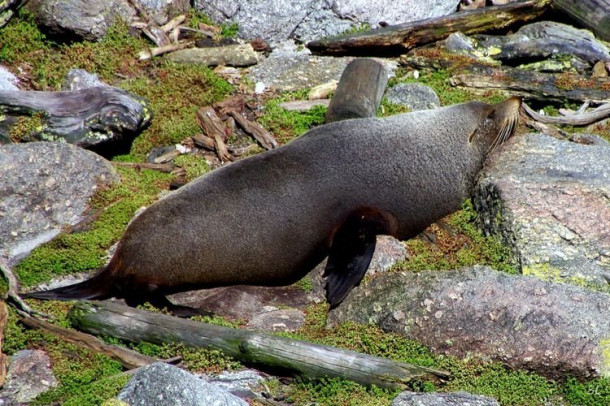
[{"x": 498, "y": 124}]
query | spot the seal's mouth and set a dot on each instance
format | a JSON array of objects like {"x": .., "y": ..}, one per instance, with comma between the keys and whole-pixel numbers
[{"x": 507, "y": 116}]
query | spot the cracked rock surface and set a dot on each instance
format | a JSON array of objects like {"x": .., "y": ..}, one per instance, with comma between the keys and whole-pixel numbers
[{"x": 550, "y": 201}]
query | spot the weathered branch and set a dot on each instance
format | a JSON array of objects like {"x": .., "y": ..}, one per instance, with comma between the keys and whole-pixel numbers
[
  {"x": 128, "y": 358},
  {"x": 271, "y": 352},
  {"x": 85, "y": 117},
  {"x": 256, "y": 130},
  {"x": 400, "y": 38},
  {"x": 214, "y": 129},
  {"x": 591, "y": 117},
  {"x": 166, "y": 168}
]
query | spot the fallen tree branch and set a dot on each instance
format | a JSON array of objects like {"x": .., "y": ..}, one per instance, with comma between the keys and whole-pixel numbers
[
  {"x": 256, "y": 130},
  {"x": 263, "y": 350},
  {"x": 128, "y": 358},
  {"x": 582, "y": 119},
  {"x": 399, "y": 38}
]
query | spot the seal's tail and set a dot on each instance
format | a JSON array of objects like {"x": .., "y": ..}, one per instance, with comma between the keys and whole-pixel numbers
[{"x": 96, "y": 287}]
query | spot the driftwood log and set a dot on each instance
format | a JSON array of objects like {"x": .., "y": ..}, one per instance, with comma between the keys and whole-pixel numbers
[
  {"x": 359, "y": 91},
  {"x": 87, "y": 117},
  {"x": 533, "y": 85},
  {"x": 253, "y": 348},
  {"x": 593, "y": 14},
  {"x": 398, "y": 39}
]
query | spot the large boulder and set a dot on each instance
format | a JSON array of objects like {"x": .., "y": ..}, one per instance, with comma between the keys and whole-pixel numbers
[
  {"x": 555, "y": 329},
  {"x": 305, "y": 20},
  {"x": 90, "y": 19},
  {"x": 43, "y": 188},
  {"x": 548, "y": 199},
  {"x": 160, "y": 384}
]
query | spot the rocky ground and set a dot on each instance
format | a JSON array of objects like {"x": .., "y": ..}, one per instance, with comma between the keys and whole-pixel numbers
[{"x": 519, "y": 315}]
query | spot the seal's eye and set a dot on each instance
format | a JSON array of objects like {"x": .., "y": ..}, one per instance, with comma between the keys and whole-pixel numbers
[{"x": 472, "y": 135}]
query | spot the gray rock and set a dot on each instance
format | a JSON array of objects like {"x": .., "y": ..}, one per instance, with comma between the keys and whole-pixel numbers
[
  {"x": 548, "y": 199},
  {"x": 305, "y": 20},
  {"x": 90, "y": 19},
  {"x": 288, "y": 68},
  {"x": 442, "y": 399},
  {"x": 29, "y": 375},
  {"x": 555, "y": 329},
  {"x": 231, "y": 55},
  {"x": 77, "y": 79},
  {"x": 278, "y": 320},
  {"x": 160, "y": 384},
  {"x": 243, "y": 302},
  {"x": 8, "y": 81},
  {"x": 415, "y": 96},
  {"x": 44, "y": 187},
  {"x": 276, "y": 20},
  {"x": 393, "y": 12},
  {"x": 239, "y": 383}
]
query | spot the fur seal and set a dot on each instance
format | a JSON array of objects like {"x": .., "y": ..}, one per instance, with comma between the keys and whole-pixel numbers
[{"x": 271, "y": 218}]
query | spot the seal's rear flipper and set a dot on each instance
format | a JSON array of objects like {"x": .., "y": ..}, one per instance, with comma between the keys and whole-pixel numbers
[{"x": 350, "y": 255}]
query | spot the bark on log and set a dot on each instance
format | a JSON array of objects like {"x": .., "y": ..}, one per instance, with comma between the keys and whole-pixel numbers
[
  {"x": 262, "y": 350},
  {"x": 400, "y": 38},
  {"x": 256, "y": 130},
  {"x": 86, "y": 117},
  {"x": 533, "y": 85},
  {"x": 214, "y": 129},
  {"x": 593, "y": 14},
  {"x": 359, "y": 92}
]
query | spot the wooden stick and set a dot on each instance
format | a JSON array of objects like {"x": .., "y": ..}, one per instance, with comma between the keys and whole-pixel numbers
[
  {"x": 274, "y": 353},
  {"x": 256, "y": 130},
  {"x": 151, "y": 52}
]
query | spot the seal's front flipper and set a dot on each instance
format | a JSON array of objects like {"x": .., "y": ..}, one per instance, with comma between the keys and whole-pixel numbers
[{"x": 350, "y": 255}]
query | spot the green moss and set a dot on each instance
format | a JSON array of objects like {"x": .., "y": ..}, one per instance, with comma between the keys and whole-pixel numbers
[
  {"x": 175, "y": 93},
  {"x": 338, "y": 392},
  {"x": 21, "y": 37},
  {"x": 517, "y": 388},
  {"x": 27, "y": 126},
  {"x": 592, "y": 393},
  {"x": 285, "y": 124},
  {"x": 194, "y": 165},
  {"x": 469, "y": 247}
]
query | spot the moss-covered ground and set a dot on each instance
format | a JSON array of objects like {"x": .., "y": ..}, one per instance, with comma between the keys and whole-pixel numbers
[{"x": 175, "y": 93}]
